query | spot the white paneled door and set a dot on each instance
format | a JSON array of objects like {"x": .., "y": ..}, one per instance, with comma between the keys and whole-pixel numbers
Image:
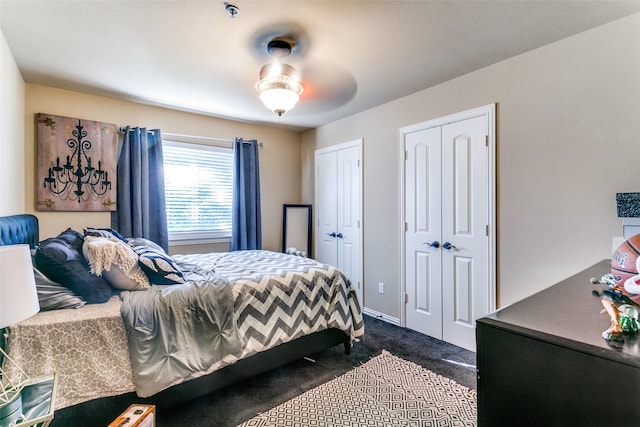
[
  {"x": 338, "y": 210},
  {"x": 423, "y": 237},
  {"x": 326, "y": 210},
  {"x": 447, "y": 210}
]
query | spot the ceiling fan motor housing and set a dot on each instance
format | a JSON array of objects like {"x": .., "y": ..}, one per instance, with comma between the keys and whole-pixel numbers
[{"x": 279, "y": 48}]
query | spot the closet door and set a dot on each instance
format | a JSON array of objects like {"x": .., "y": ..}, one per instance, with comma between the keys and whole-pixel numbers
[
  {"x": 465, "y": 198},
  {"x": 423, "y": 232},
  {"x": 446, "y": 205},
  {"x": 348, "y": 213},
  {"x": 339, "y": 210},
  {"x": 326, "y": 249}
]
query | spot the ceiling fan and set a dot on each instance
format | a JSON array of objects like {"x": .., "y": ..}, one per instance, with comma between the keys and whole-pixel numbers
[{"x": 318, "y": 84}]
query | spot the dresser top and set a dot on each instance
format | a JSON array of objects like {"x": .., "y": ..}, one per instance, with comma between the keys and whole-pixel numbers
[{"x": 568, "y": 314}]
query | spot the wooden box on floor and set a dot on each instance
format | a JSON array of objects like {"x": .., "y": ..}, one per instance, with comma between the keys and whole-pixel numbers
[{"x": 136, "y": 416}]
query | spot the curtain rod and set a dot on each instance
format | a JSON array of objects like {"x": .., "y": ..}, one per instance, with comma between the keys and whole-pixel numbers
[{"x": 202, "y": 138}]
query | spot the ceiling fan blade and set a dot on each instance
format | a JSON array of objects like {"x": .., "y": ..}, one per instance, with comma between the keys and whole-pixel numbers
[{"x": 326, "y": 86}]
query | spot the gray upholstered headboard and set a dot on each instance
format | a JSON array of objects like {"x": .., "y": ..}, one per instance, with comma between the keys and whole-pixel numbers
[{"x": 19, "y": 229}]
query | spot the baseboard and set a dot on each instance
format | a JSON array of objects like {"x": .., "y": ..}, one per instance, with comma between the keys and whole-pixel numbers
[{"x": 381, "y": 316}]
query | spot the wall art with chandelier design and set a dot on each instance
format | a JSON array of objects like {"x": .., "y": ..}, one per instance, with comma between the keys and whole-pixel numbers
[{"x": 76, "y": 164}]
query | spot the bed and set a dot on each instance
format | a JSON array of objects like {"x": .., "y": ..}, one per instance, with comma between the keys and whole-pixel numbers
[{"x": 279, "y": 308}]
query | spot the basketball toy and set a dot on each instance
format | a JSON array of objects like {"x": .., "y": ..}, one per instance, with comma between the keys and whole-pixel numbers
[
  {"x": 625, "y": 268},
  {"x": 623, "y": 262}
]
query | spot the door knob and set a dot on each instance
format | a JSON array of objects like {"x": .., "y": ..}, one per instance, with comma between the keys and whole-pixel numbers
[
  {"x": 339, "y": 236},
  {"x": 332, "y": 234},
  {"x": 448, "y": 246},
  {"x": 435, "y": 244}
]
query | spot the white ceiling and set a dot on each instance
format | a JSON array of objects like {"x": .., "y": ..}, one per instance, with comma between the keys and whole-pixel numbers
[{"x": 353, "y": 55}]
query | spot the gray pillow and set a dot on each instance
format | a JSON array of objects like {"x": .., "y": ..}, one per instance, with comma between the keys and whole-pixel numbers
[
  {"x": 53, "y": 296},
  {"x": 116, "y": 261}
]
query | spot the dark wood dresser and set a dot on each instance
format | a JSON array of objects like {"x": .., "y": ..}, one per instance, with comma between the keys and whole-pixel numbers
[{"x": 543, "y": 362}]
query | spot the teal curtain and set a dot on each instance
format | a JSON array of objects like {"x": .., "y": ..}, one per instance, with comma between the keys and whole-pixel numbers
[
  {"x": 141, "y": 207},
  {"x": 246, "y": 222}
]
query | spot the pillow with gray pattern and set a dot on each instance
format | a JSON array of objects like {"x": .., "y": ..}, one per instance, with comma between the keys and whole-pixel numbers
[{"x": 54, "y": 296}]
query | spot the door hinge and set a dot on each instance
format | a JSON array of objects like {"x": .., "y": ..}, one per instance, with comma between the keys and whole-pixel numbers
[
  {"x": 487, "y": 229},
  {"x": 406, "y": 155},
  {"x": 486, "y": 140},
  {"x": 406, "y": 226},
  {"x": 406, "y": 298}
]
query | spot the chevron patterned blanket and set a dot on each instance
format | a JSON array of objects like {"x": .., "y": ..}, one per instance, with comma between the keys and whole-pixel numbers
[{"x": 275, "y": 298}]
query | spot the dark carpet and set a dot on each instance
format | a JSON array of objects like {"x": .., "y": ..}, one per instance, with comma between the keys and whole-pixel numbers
[
  {"x": 238, "y": 403},
  {"x": 243, "y": 401}
]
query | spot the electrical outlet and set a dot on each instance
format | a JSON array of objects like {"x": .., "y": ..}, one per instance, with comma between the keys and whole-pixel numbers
[{"x": 381, "y": 288}]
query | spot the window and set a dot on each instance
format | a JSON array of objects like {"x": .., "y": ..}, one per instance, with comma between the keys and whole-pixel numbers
[{"x": 198, "y": 184}]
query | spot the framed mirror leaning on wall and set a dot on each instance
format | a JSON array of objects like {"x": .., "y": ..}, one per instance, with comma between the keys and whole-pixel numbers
[{"x": 296, "y": 229}]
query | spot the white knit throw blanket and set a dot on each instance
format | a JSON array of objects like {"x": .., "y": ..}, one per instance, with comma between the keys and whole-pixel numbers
[{"x": 103, "y": 252}]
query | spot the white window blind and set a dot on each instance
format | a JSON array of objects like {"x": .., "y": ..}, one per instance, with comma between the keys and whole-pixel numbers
[{"x": 198, "y": 185}]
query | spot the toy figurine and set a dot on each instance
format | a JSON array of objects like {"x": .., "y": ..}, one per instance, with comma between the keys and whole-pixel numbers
[
  {"x": 628, "y": 316},
  {"x": 624, "y": 317},
  {"x": 614, "y": 332}
]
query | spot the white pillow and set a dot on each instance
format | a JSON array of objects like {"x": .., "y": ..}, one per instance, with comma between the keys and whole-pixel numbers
[{"x": 116, "y": 262}]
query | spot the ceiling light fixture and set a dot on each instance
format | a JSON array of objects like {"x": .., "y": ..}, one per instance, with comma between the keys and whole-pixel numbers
[{"x": 279, "y": 84}]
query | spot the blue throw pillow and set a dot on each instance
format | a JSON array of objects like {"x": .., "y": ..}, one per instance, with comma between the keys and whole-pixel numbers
[
  {"x": 104, "y": 232},
  {"x": 60, "y": 259},
  {"x": 160, "y": 268}
]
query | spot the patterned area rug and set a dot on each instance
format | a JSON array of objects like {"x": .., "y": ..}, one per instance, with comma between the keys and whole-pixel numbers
[{"x": 385, "y": 391}]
